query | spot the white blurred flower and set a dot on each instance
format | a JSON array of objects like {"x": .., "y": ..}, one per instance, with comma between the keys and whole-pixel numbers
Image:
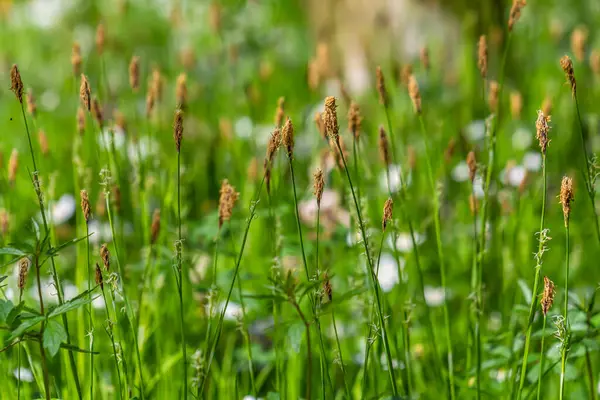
[
  {"x": 249, "y": 397},
  {"x": 69, "y": 291},
  {"x": 106, "y": 137},
  {"x": 384, "y": 364},
  {"x": 99, "y": 232},
  {"x": 148, "y": 147},
  {"x": 49, "y": 100},
  {"x": 231, "y": 313},
  {"x": 478, "y": 186},
  {"x": 404, "y": 241},
  {"x": 475, "y": 130},
  {"x": 522, "y": 138},
  {"x": 532, "y": 161},
  {"x": 98, "y": 303},
  {"x": 500, "y": 375},
  {"x": 48, "y": 291},
  {"x": 63, "y": 209},
  {"x": 395, "y": 172},
  {"x": 243, "y": 127},
  {"x": 9, "y": 293},
  {"x": 516, "y": 175},
  {"x": 24, "y": 374},
  {"x": 434, "y": 297},
  {"x": 388, "y": 272},
  {"x": 460, "y": 173}
]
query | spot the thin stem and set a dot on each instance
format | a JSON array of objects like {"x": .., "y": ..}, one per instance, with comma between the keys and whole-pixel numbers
[
  {"x": 539, "y": 386},
  {"x": 308, "y": 349},
  {"x": 475, "y": 288},
  {"x": 567, "y": 247},
  {"x": 109, "y": 332},
  {"x": 563, "y": 366},
  {"x": 42, "y": 350},
  {"x": 536, "y": 280},
  {"x": 370, "y": 273},
  {"x": 90, "y": 311},
  {"x": 247, "y": 339},
  {"x": 180, "y": 279},
  {"x": 438, "y": 236}
]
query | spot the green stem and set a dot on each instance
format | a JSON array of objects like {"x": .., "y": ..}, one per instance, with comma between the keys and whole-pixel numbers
[
  {"x": 308, "y": 349},
  {"x": 109, "y": 332},
  {"x": 536, "y": 280},
  {"x": 475, "y": 285},
  {"x": 179, "y": 275},
  {"x": 42, "y": 350},
  {"x": 539, "y": 386},
  {"x": 247, "y": 339},
  {"x": 563, "y": 366},
  {"x": 438, "y": 236},
  {"x": 567, "y": 247},
  {"x": 90, "y": 310}
]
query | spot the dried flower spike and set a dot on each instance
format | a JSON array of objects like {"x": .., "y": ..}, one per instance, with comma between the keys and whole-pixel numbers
[
  {"x": 330, "y": 119},
  {"x": 105, "y": 255},
  {"x": 181, "y": 92},
  {"x": 13, "y": 165},
  {"x": 99, "y": 279},
  {"x": 31, "y": 105},
  {"x": 548, "y": 295},
  {"x": 494, "y": 96},
  {"x": 150, "y": 101},
  {"x": 354, "y": 120},
  {"x": 542, "y": 127},
  {"x": 178, "y": 129},
  {"x": 287, "y": 137},
  {"x": 327, "y": 289},
  {"x": 384, "y": 147},
  {"x": 388, "y": 209},
  {"x": 578, "y": 41},
  {"x": 85, "y": 93},
  {"x": 566, "y": 197},
  {"x": 76, "y": 59},
  {"x": 482, "y": 56},
  {"x": 547, "y": 106},
  {"x": 405, "y": 74},
  {"x": 273, "y": 145},
  {"x": 16, "y": 84},
  {"x": 383, "y": 96},
  {"x": 157, "y": 84},
  {"x": 97, "y": 112},
  {"x": 472, "y": 164},
  {"x": 567, "y": 66},
  {"x": 85, "y": 205},
  {"x": 80, "y": 121},
  {"x": 227, "y": 198},
  {"x": 449, "y": 151},
  {"x": 319, "y": 184},
  {"x": 155, "y": 229},
  {"x": 24, "y": 264},
  {"x": 280, "y": 113},
  {"x": 134, "y": 73},
  {"x": 414, "y": 93},
  {"x": 515, "y": 13},
  {"x": 43, "y": 139}
]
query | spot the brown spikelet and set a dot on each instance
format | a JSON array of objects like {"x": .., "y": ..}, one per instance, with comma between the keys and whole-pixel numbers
[
  {"x": 100, "y": 38},
  {"x": 267, "y": 171},
  {"x": 405, "y": 74},
  {"x": 120, "y": 120},
  {"x": 4, "y": 222},
  {"x": 548, "y": 295},
  {"x": 85, "y": 205},
  {"x": 23, "y": 271},
  {"x": 157, "y": 84},
  {"x": 13, "y": 165},
  {"x": 383, "y": 95},
  {"x": 578, "y": 41},
  {"x": 473, "y": 204},
  {"x": 43, "y": 139},
  {"x": 493, "y": 97},
  {"x": 116, "y": 194},
  {"x": 319, "y": 184},
  {"x": 273, "y": 145},
  {"x": 280, "y": 112},
  {"x": 85, "y": 93},
  {"x": 542, "y": 129},
  {"x": 449, "y": 151},
  {"x": 482, "y": 56},
  {"x": 178, "y": 129},
  {"x": 105, "y": 255},
  {"x": 595, "y": 62},
  {"x": 320, "y": 124},
  {"x": 472, "y": 164},
  {"x": 155, "y": 228},
  {"x": 567, "y": 66},
  {"x": 384, "y": 147},
  {"x": 327, "y": 289},
  {"x": 516, "y": 105},
  {"x": 414, "y": 93},
  {"x": 76, "y": 59},
  {"x": 101, "y": 205},
  {"x": 16, "y": 84},
  {"x": 388, "y": 209},
  {"x": 97, "y": 112},
  {"x": 354, "y": 120},
  {"x": 80, "y": 121},
  {"x": 150, "y": 101},
  {"x": 134, "y": 73},
  {"x": 424, "y": 55},
  {"x": 547, "y": 106},
  {"x": 31, "y": 105},
  {"x": 99, "y": 279},
  {"x": 515, "y": 13},
  {"x": 227, "y": 198},
  {"x": 313, "y": 75},
  {"x": 287, "y": 137},
  {"x": 330, "y": 119},
  {"x": 566, "y": 197},
  {"x": 181, "y": 92}
]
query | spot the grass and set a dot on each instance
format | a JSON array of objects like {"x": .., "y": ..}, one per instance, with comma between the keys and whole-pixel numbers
[{"x": 201, "y": 272}]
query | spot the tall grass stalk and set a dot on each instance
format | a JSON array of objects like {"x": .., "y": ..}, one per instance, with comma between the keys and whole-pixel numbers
[
  {"x": 109, "y": 332},
  {"x": 539, "y": 385},
  {"x": 474, "y": 290},
  {"x": 45, "y": 372},
  {"x": 438, "y": 236},
  {"x": 371, "y": 272},
  {"x": 90, "y": 308}
]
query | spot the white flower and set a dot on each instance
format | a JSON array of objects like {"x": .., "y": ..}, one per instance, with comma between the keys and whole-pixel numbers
[
  {"x": 388, "y": 272},
  {"x": 24, "y": 374},
  {"x": 460, "y": 173},
  {"x": 243, "y": 127},
  {"x": 105, "y": 139},
  {"x": 522, "y": 138},
  {"x": 63, "y": 209},
  {"x": 395, "y": 172},
  {"x": 10, "y": 294},
  {"x": 516, "y": 175},
  {"x": 49, "y": 100},
  {"x": 478, "y": 185},
  {"x": 99, "y": 232},
  {"x": 434, "y": 297},
  {"x": 532, "y": 161},
  {"x": 475, "y": 130},
  {"x": 404, "y": 241},
  {"x": 231, "y": 313},
  {"x": 148, "y": 147},
  {"x": 98, "y": 303},
  {"x": 249, "y": 397}
]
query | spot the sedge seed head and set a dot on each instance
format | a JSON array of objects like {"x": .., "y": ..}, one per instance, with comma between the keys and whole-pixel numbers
[
  {"x": 134, "y": 73},
  {"x": 85, "y": 205},
  {"x": 287, "y": 137},
  {"x": 567, "y": 66},
  {"x": 105, "y": 256},
  {"x": 384, "y": 147},
  {"x": 424, "y": 56},
  {"x": 516, "y": 104},
  {"x": 327, "y": 289},
  {"x": 178, "y": 129},
  {"x": 319, "y": 184},
  {"x": 388, "y": 209},
  {"x": 515, "y": 12},
  {"x": 80, "y": 121},
  {"x": 280, "y": 112},
  {"x": 24, "y": 264},
  {"x": 85, "y": 93},
  {"x": 354, "y": 120},
  {"x": 472, "y": 164},
  {"x": 595, "y": 62},
  {"x": 542, "y": 126},
  {"x": 43, "y": 140},
  {"x": 273, "y": 145},
  {"x": 415, "y": 94},
  {"x": 482, "y": 56},
  {"x": 578, "y": 42},
  {"x": 473, "y": 204},
  {"x": 181, "y": 91},
  {"x": 16, "y": 84},
  {"x": 97, "y": 112},
  {"x": 493, "y": 97},
  {"x": 99, "y": 279},
  {"x": 31, "y": 105},
  {"x": 330, "y": 119},
  {"x": 449, "y": 151},
  {"x": 405, "y": 74},
  {"x": 155, "y": 229},
  {"x": 13, "y": 165},
  {"x": 548, "y": 295},
  {"x": 383, "y": 96},
  {"x": 76, "y": 59},
  {"x": 566, "y": 197},
  {"x": 227, "y": 198}
]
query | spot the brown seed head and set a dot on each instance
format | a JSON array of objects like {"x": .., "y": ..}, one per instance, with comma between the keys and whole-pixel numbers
[
  {"x": 178, "y": 129},
  {"x": 566, "y": 197},
  {"x": 405, "y": 74},
  {"x": 157, "y": 84},
  {"x": 181, "y": 92},
  {"x": 80, "y": 121},
  {"x": 120, "y": 120},
  {"x": 43, "y": 139},
  {"x": 100, "y": 38},
  {"x": 388, "y": 209},
  {"x": 134, "y": 73},
  {"x": 4, "y": 222},
  {"x": 280, "y": 113},
  {"x": 542, "y": 127},
  {"x": 330, "y": 119},
  {"x": 287, "y": 137},
  {"x": 482, "y": 56},
  {"x": 155, "y": 229},
  {"x": 516, "y": 105},
  {"x": 267, "y": 171},
  {"x": 515, "y": 12},
  {"x": 320, "y": 124},
  {"x": 578, "y": 41},
  {"x": 97, "y": 112},
  {"x": 567, "y": 66},
  {"x": 383, "y": 96},
  {"x": 24, "y": 264},
  {"x": 319, "y": 184},
  {"x": 85, "y": 205},
  {"x": 16, "y": 84},
  {"x": 227, "y": 198},
  {"x": 424, "y": 55},
  {"x": 548, "y": 295},
  {"x": 327, "y": 289},
  {"x": 99, "y": 279},
  {"x": 595, "y": 62},
  {"x": 85, "y": 93},
  {"x": 494, "y": 96},
  {"x": 472, "y": 164},
  {"x": 31, "y": 105},
  {"x": 13, "y": 165},
  {"x": 105, "y": 255},
  {"x": 414, "y": 93},
  {"x": 273, "y": 145},
  {"x": 101, "y": 205},
  {"x": 384, "y": 147},
  {"x": 354, "y": 120},
  {"x": 150, "y": 101},
  {"x": 449, "y": 151},
  {"x": 76, "y": 59}
]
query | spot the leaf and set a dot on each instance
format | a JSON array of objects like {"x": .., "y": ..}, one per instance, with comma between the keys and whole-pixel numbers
[
  {"x": 273, "y": 396},
  {"x": 12, "y": 251},
  {"x": 25, "y": 326},
  {"x": 76, "y": 302},
  {"x": 525, "y": 290},
  {"x": 6, "y": 307},
  {"x": 14, "y": 260},
  {"x": 2, "y": 278},
  {"x": 70, "y": 347},
  {"x": 54, "y": 335},
  {"x": 55, "y": 250}
]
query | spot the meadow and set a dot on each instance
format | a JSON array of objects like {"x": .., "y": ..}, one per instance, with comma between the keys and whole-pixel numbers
[{"x": 197, "y": 202}]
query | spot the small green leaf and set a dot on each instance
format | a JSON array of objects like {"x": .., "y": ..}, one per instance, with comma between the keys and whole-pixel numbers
[
  {"x": 76, "y": 302},
  {"x": 12, "y": 251},
  {"x": 55, "y": 250},
  {"x": 54, "y": 335},
  {"x": 25, "y": 326},
  {"x": 6, "y": 307},
  {"x": 14, "y": 260}
]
